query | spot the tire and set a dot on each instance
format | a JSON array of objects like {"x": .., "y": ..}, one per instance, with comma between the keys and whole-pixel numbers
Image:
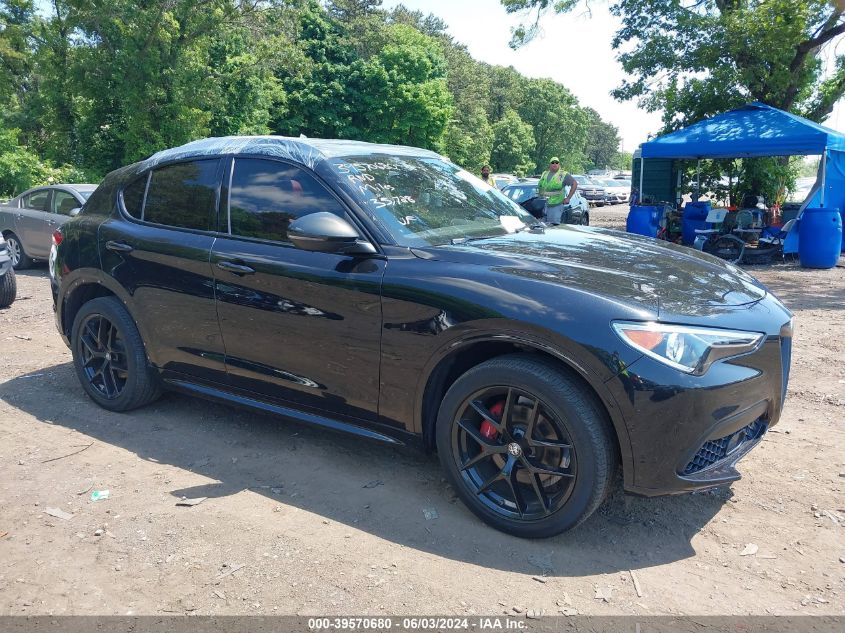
[
  {"x": 585, "y": 219},
  {"x": 20, "y": 260},
  {"x": 727, "y": 247},
  {"x": 109, "y": 357},
  {"x": 8, "y": 288},
  {"x": 576, "y": 453}
]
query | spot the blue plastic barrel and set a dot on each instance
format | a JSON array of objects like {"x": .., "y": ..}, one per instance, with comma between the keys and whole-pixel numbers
[
  {"x": 694, "y": 217},
  {"x": 820, "y": 238},
  {"x": 842, "y": 215},
  {"x": 643, "y": 220}
]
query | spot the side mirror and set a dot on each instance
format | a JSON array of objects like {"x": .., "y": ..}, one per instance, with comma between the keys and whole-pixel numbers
[
  {"x": 325, "y": 232},
  {"x": 75, "y": 211}
]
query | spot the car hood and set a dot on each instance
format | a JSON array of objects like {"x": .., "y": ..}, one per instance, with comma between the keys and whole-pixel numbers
[{"x": 670, "y": 279}]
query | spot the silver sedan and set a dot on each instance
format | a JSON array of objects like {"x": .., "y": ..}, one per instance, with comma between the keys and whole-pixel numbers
[{"x": 28, "y": 220}]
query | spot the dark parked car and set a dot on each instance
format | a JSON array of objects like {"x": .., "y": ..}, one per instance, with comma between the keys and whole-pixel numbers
[
  {"x": 592, "y": 190},
  {"x": 527, "y": 188},
  {"x": 27, "y": 221},
  {"x": 8, "y": 283},
  {"x": 386, "y": 292}
]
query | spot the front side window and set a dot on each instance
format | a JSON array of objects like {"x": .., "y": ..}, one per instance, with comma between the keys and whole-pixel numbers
[
  {"x": 64, "y": 202},
  {"x": 422, "y": 200},
  {"x": 265, "y": 196},
  {"x": 183, "y": 195},
  {"x": 37, "y": 200}
]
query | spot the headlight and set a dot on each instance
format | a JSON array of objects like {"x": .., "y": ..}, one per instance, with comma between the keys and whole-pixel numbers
[{"x": 689, "y": 349}]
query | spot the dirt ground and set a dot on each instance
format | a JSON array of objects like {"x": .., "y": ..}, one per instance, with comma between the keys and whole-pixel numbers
[{"x": 298, "y": 521}]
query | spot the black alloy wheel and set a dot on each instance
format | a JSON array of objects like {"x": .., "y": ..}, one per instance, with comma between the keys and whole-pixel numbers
[
  {"x": 109, "y": 356},
  {"x": 103, "y": 352},
  {"x": 526, "y": 444},
  {"x": 514, "y": 453}
]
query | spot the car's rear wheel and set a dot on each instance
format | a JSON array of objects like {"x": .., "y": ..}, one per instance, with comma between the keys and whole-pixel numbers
[
  {"x": 8, "y": 288},
  {"x": 20, "y": 260},
  {"x": 109, "y": 357},
  {"x": 527, "y": 448},
  {"x": 585, "y": 219}
]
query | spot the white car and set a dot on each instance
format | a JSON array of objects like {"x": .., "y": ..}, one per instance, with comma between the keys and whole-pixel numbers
[{"x": 616, "y": 191}]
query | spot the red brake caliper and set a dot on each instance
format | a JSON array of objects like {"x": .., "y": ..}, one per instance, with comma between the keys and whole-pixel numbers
[{"x": 488, "y": 430}]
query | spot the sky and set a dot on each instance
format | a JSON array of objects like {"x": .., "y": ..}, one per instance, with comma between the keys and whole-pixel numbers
[{"x": 573, "y": 49}]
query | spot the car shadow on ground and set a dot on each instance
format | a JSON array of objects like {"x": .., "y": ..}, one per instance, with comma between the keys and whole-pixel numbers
[{"x": 366, "y": 486}]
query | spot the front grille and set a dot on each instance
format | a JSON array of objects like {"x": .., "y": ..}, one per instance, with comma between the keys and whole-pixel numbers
[{"x": 715, "y": 450}]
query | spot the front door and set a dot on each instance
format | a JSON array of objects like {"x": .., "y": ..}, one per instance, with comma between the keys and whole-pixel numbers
[{"x": 298, "y": 326}]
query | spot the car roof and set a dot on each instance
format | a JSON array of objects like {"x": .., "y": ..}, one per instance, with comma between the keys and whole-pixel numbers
[
  {"x": 308, "y": 151},
  {"x": 80, "y": 187}
]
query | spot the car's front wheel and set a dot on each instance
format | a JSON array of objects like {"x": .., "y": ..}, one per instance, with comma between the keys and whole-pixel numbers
[
  {"x": 109, "y": 356},
  {"x": 585, "y": 219},
  {"x": 527, "y": 448}
]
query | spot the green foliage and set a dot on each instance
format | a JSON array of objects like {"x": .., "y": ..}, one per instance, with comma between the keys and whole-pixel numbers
[
  {"x": 21, "y": 169},
  {"x": 513, "y": 145},
  {"x": 691, "y": 60},
  {"x": 623, "y": 161},
  {"x": 602, "y": 148},
  {"x": 560, "y": 126},
  {"x": 101, "y": 83}
]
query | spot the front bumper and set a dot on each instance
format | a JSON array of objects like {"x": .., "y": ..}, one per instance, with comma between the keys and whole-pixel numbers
[{"x": 688, "y": 432}]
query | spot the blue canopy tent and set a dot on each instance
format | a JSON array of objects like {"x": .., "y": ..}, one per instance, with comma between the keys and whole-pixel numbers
[{"x": 757, "y": 130}]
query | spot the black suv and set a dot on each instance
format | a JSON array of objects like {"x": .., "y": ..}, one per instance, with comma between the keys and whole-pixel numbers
[{"x": 384, "y": 291}]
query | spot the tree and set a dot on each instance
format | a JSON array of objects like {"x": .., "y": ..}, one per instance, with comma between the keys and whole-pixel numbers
[
  {"x": 602, "y": 145},
  {"x": 513, "y": 145},
  {"x": 401, "y": 95},
  {"x": 693, "y": 59},
  {"x": 560, "y": 126}
]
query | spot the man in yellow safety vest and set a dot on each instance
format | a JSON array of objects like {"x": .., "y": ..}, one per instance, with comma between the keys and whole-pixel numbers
[
  {"x": 486, "y": 177},
  {"x": 551, "y": 187}
]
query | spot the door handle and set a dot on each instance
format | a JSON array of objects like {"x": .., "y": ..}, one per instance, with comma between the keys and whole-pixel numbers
[
  {"x": 237, "y": 269},
  {"x": 119, "y": 247}
]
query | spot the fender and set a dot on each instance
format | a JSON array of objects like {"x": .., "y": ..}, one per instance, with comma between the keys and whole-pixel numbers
[
  {"x": 75, "y": 279},
  {"x": 560, "y": 349}
]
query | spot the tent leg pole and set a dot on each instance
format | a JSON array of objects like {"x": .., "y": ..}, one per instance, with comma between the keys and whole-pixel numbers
[
  {"x": 824, "y": 174},
  {"x": 697, "y": 180},
  {"x": 642, "y": 169}
]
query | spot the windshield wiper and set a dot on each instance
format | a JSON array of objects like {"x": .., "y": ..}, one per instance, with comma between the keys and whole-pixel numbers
[{"x": 464, "y": 240}]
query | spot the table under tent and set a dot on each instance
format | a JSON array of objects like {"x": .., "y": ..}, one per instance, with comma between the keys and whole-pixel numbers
[{"x": 752, "y": 131}]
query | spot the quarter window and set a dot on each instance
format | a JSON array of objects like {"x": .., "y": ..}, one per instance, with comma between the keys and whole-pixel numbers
[
  {"x": 184, "y": 195},
  {"x": 37, "y": 201},
  {"x": 265, "y": 196},
  {"x": 133, "y": 196}
]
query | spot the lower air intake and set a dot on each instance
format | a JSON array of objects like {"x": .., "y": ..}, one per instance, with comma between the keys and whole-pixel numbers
[{"x": 715, "y": 450}]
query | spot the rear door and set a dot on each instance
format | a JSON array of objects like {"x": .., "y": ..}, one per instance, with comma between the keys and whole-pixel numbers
[
  {"x": 299, "y": 326},
  {"x": 158, "y": 250},
  {"x": 33, "y": 223}
]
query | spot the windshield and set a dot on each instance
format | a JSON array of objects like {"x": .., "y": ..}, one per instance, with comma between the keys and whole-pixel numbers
[
  {"x": 426, "y": 201},
  {"x": 85, "y": 194},
  {"x": 520, "y": 193}
]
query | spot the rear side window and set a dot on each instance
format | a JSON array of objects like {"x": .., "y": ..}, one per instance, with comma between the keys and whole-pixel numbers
[
  {"x": 133, "y": 196},
  {"x": 37, "y": 201},
  {"x": 184, "y": 195},
  {"x": 265, "y": 196}
]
